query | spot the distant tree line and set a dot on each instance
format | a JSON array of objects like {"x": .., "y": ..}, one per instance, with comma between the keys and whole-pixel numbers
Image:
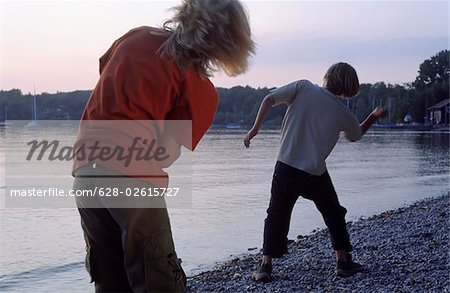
[{"x": 239, "y": 105}]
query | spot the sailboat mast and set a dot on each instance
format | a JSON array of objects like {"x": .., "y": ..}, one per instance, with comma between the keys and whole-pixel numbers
[{"x": 33, "y": 114}]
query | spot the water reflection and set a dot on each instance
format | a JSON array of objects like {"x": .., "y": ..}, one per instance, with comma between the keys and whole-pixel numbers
[{"x": 432, "y": 153}]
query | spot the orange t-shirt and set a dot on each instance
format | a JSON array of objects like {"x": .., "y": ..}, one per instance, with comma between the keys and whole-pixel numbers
[{"x": 137, "y": 83}]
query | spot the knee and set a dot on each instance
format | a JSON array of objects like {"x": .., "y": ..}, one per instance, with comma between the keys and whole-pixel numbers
[
  {"x": 278, "y": 211},
  {"x": 334, "y": 212},
  {"x": 278, "y": 215},
  {"x": 342, "y": 211}
]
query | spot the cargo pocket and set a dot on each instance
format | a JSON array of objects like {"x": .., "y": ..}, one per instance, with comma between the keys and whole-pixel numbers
[
  {"x": 89, "y": 261},
  {"x": 163, "y": 271}
]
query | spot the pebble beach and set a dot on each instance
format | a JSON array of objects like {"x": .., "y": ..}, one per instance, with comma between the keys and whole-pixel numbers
[{"x": 403, "y": 250}]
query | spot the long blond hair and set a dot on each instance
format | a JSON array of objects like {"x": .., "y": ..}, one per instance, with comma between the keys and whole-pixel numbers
[{"x": 210, "y": 35}]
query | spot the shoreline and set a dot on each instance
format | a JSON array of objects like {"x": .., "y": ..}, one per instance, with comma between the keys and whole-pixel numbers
[{"x": 404, "y": 250}]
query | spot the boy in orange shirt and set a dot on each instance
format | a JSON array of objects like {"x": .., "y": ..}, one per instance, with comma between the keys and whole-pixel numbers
[{"x": 147, "y": 76}]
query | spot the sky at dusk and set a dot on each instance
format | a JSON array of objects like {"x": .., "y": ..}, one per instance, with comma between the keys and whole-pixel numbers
[{"x": 54, "y": 46}]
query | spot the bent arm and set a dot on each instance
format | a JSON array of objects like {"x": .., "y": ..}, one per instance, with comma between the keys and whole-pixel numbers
[
  {"x": 266, "y": 105},
  {"x": 377, "y": 113},
  {"x": 264, "y": 109}
]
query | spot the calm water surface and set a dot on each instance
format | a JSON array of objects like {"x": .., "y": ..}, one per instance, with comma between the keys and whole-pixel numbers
[{"x": 42, "y": 250}]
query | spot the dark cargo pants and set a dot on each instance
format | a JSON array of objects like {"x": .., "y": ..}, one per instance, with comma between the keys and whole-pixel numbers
[
  {"x": 288, "y": 184},
  {"x": 128, "y": 249}
]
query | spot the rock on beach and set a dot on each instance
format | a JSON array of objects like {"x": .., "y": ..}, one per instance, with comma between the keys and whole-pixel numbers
[{"x": 404, "y": 250}]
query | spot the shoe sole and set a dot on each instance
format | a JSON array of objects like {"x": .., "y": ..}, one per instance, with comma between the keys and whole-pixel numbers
[
  {"x": 262, "y": 277},
  {"x": 348, "y": 273}
]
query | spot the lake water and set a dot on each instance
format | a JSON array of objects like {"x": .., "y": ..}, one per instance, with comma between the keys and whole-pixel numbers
[{"x": 42, "y": 250}]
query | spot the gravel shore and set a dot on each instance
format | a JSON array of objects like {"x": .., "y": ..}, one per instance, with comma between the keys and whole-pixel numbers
[{"x": 404, "y": 250}]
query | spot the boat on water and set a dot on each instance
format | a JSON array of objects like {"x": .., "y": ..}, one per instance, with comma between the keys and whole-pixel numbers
[
  {"x": 5, "y": 123},
  {"x": 417, "y": 127},
  {"x": 233, "y": 126},
  {"x": 33, "y": 124},
  {"x": 402, "y": 126}
]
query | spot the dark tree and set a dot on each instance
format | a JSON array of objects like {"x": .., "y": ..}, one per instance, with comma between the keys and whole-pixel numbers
[{"x": 432, "y": 84}]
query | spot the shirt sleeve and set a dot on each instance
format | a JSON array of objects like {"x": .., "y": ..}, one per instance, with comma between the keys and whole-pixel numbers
[
  {"x": 197, "y": 105},
  {"x": 352, "y": 130},
  {"x": 105, "y": 57},
  {"x": 286, "y": 94}
]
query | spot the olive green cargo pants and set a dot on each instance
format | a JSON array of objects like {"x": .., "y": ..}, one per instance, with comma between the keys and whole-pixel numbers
[{"x": 128, "y": 249}]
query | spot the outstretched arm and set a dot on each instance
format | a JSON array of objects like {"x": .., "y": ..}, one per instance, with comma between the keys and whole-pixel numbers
[
  {"x": 377, "y": 113},
  {"x": 266, "y": 104}
]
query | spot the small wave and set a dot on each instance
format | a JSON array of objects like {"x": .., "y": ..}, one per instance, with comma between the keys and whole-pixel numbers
[{"x": 19, "y": 279}]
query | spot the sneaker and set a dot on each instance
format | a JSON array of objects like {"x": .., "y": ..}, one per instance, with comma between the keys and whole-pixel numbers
[
  {"x": 348, "y": 268},
  {"x": 263, "y": 273}
]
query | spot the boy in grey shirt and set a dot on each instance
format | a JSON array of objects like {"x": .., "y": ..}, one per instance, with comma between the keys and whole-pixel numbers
[{"x": 311, "y": 127}]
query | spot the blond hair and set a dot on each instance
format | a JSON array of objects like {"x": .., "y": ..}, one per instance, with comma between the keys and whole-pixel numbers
[
  {"x": 209, "y": 35},
  {"x": 342, "y": 80}
]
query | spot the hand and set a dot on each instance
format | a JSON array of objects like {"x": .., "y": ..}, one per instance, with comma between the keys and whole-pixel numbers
[
  {"x": 379, "y": 112},
  {"x": 249, "y": 136}
]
